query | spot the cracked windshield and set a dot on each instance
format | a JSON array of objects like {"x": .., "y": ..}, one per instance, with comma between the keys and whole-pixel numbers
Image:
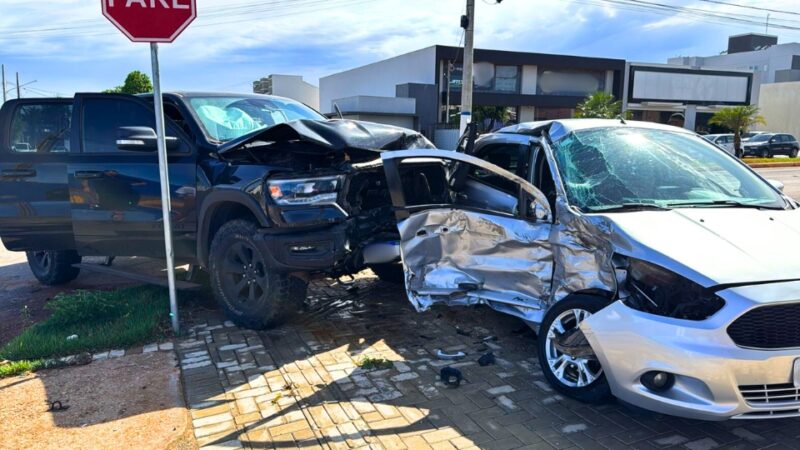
[{"x": 610, "y": 168}]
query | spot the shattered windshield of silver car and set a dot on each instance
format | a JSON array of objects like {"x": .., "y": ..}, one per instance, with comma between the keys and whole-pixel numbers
[{"x": 608, "y": 168}]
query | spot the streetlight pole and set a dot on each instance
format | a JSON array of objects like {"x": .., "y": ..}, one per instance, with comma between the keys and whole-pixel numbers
[
  {"x": 466, "y": 84},
  {"x": 3, "y": 70},
  {"x": 18, "y": 96}
]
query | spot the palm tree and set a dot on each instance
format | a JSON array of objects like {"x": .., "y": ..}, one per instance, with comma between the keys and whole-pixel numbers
[
  {"x": 600, "y": 105},
  {"x": 737, "y": 119}
]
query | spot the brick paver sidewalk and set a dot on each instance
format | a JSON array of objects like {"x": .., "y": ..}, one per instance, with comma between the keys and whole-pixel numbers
[{"x": 301, "y": 385}]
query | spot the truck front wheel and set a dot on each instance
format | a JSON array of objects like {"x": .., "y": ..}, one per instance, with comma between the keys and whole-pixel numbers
[
  {"x": 251, "y": 294},
  {"x": 53, "y": 267}
]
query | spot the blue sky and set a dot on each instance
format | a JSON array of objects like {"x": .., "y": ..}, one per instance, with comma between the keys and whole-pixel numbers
[{"x": 67, "y": 46}]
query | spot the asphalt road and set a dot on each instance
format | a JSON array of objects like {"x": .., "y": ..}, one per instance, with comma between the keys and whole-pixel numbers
[{"x": 789, "y": 176}]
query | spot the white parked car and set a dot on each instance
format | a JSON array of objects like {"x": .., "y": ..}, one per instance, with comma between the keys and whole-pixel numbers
[
  {"x": 725, "y": 141},
  {"x": 629, "y": 247}
]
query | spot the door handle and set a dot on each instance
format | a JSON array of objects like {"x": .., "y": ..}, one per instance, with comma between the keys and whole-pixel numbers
[
  {"x": 86, "y": 174},
  {"x": 18, "y": 173}
]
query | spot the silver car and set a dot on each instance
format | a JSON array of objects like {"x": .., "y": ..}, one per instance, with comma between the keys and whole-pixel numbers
[{"x": 628, "y": 247}]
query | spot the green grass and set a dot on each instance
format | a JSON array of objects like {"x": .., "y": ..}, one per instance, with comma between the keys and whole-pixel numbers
[
  {"x": 771, "y": 160},
  {"x": 16, "y": 368},
  {"x": 101, "y": 320},
  {"x": 369, "y": 363}
]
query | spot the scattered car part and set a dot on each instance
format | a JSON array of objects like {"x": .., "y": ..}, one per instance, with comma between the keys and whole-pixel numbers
[
  {"x": 451, "y": 376},
  {"x": 449, "y": 356},
  {"x": 486, "y": 359}
]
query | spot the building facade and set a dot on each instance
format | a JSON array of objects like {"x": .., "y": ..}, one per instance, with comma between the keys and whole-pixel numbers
[
  {"x": 761, "y": 54},
  {"x": 508, "y": 86},
  {"x": 289, "y": 86},
  {"x": 683, "y": 96}
]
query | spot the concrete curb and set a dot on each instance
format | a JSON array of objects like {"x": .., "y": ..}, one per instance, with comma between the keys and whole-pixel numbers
[{"x": 775, "y": 165}]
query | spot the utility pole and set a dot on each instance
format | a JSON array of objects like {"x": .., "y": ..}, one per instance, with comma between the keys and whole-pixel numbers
[
  {"x": 766, "y": 27},
  {"x": 3, "y": 70},
  {"x": 18, "y": 96},
  {"x": 468, "y": 23}
]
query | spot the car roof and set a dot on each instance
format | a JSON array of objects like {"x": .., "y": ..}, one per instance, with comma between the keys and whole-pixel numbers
[{"x": 561, "y": 127}]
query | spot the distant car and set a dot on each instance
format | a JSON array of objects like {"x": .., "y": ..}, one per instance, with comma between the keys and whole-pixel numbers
[
  {"x": 749, "y": 134},
  {"x": 766, "y": 145},
  {"x": 722, "y": 140},
  {"x": 23, "y": 147}
]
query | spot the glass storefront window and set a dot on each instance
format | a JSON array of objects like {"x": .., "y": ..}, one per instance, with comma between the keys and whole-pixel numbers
[
  {"x": 567, "y": 82},
  {"x": 487, "y": 77}
]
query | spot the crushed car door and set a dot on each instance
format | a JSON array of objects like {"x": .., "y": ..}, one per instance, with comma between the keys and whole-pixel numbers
[{"x": 459, "y": 251}]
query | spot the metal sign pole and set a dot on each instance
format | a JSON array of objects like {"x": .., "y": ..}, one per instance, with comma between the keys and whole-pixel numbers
[{"x": 166, "y": 206}]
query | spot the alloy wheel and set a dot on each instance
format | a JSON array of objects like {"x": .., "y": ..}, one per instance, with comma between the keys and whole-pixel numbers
[
  {"x": 244, "y": 274},
  {"x": 571, "y": 371},
  {"x": 43, "y": 260}
]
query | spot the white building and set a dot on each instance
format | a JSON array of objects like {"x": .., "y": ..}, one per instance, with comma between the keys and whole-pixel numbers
[
  {"x": 759, "y": 53},
  {"x": 289, "y": 86}
]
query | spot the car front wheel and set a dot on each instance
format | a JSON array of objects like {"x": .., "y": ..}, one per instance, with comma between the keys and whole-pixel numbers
[
  {"x": 251, "y": 294},
  {"x": 793, "y": 153},
  {"x": 766, "y": 153},
  {"x": 574, "y": 371},
  {"x": 53, "y": 267}
]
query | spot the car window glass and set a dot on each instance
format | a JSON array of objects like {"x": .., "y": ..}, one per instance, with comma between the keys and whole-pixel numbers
[
  {"x": 102, "y": 117},
  {"x": 503, "y": 156},
  {"x": 41, "y": 128}
]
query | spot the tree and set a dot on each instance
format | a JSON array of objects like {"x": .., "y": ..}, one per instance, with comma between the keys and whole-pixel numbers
[
  {"x": 737, "y": 119},
  {"x": 600, "y": 105},
  {"x": 490, "y": 117},
  {"x": 135, "y": 83}
]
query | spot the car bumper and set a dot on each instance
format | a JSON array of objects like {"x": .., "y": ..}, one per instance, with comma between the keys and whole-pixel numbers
[{"x": 712, "y": 374}]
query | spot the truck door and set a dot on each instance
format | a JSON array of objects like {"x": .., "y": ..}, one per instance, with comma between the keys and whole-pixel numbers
[
  {"x": 34, "y": 149},
  {"x": 114, "y": 180},
  {"x": 484, "y": 239}
]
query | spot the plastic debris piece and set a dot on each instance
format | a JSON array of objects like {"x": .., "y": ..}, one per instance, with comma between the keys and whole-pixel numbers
[
  {"x": 450, "y": 376},
  {"x": 449, "y": 356},
  {"x": 486, "y": 360}
]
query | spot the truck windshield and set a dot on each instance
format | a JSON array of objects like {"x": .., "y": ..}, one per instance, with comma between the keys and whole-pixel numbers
[
  {"x": 227, "y": 118},
  {"x": 607, "y": 168}
]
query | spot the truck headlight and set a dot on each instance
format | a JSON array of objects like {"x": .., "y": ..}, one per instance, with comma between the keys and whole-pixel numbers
[
  {"x": 658, "y": 291},
  {"x": 304, "y": 191}
]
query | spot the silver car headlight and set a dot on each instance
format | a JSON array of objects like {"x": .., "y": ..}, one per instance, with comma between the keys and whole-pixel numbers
[
  {"x": 305, "y": 191},
  {"x": 658, "y": 291}
]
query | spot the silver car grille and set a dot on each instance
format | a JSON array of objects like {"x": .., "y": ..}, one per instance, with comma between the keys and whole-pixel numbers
[{"x": 769, "y": 394}]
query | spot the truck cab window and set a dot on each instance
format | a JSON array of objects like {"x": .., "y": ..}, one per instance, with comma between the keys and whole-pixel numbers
[
  {"x": 103, "y": 116},
  {"x": 41, "y": 128}
]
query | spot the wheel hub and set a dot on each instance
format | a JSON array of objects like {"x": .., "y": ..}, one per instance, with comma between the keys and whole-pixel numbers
[{"x": 569, "y": 356}]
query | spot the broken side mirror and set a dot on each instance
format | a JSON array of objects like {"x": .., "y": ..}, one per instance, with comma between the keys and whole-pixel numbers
[{"x": 532, "y": 209}]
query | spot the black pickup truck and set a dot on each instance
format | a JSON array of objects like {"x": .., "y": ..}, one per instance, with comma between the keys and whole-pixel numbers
[{"x": 266, "y": 192}]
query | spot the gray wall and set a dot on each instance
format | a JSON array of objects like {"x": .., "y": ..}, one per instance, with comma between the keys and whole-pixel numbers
[
  {"x": 778, "y": 103},
  {"x": 427, "y": 108}
]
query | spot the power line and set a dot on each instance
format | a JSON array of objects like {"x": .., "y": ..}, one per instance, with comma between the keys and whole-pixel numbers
[{"x": 780, "y": 11}]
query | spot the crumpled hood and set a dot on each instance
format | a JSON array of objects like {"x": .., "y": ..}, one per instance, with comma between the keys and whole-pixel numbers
[
  {"x": 335, "y": 135},
  {"x": 714, "y": 245}
]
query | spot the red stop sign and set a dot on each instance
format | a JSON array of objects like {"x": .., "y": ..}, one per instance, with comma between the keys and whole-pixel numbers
[{"x": 150, "y": 20}]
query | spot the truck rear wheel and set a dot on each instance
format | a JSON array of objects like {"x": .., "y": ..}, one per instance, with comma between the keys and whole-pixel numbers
[
  {"x": 53, "y": 267},
  {"x": 251, "y": 294}
]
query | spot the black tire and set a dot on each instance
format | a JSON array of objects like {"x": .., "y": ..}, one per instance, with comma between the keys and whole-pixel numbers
[
  {"x": 250, "y": 294},
  {"x": 54, "y": 267},
  {"x": 390, "y": 272},
  {"x": 766, "y": 154},
  {"x": 793, "y": 153},
  {"x": 597, "y": 391}
]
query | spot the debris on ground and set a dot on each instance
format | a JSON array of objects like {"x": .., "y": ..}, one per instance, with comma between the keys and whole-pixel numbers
[
  {"x": 449, "y": 356},
  {"x": 486, "y": 360},
  {"x": 450, "y": 376}
]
